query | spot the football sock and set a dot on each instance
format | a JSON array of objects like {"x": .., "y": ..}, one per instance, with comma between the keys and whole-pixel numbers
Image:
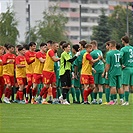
[
  {"x": 65, "y": 92},
  {"x": 34, "y": 93},
  {"x": 121, "y": 96},
  {"x": 73, "y": 93},
  {"x": 115, "y": 97},
  {"x": 100, "y": 95},
  {"x": 107, "y": 94},
  {"x": 9, "y": 94},
  {"x": 21, "y": 95},
  {"x": 67, "y": 96},
  {"x": 94, "y": 95},
  {"x": 77, "y": 94},
  {"x": 17, "y": 95},
  {"x": 112, "y": 97},
  {"x": 43, "y": 91},
  {"x": 54, "y": 92},
  {"x": 6, "y": 92},
  {"x": 58, "y": 94},
  {"x": 82, "y": 96},
  {"x": 126, "y": 96},
  {"x": 85, "y": 95}
]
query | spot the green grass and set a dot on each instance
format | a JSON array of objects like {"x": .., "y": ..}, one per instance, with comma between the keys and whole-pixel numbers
[{"x": 16, "y": 118}]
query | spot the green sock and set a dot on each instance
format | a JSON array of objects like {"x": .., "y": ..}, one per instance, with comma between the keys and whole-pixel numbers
[
  {"x": 121, "y": 96},
  {"x": 126, "y": 96},
  {"x": 82, "y": 90},
  {"x": 67, "y": 96},
  {"x": 92, "y": 96},
  {"x": 95, "y": 95},
  {"x": 100, "y": 95},
  {"x": 115, "y": 96},
  {"x": 77, "y": 94},
  {"x": 58, "y": 94},
  {"x": 107, "y": 94},
  {"x": 112, "y": 97},
  {"x": 73, "y": 93}
]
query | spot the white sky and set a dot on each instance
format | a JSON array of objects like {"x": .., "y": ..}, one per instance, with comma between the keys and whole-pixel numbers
[{"x": 3, "y": 5}]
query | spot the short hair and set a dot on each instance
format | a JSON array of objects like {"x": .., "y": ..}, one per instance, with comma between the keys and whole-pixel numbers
[
  {"x": 88, "y": 46},
  {"x": 118, "y": 46},
  {"x": 31, "y": 44},
  {"x": 6, "y": 45},
  {"x": 112, "y": 42},
  {"x": 43, "y": 44},
  {"x": 1, "y": 47},
  {"x": 18, "y": 45},
  {"x": 94, "y": 42},
  {"x": 125, "y": 39},
  {"x": 20, "y": 48},
  {"x": 50, "y": 41},
  {"x": 26, "y": 46},
  {"x": 83, "y": 43},
  {"x": 76, "y": 47},
  {"x": 62, "y": 42},
  {"x": 107, "y": 43},
  {"x": 10, "y": 46},
  {"x": 65, "y": 45},
  {"x": 37, "y": 50}
]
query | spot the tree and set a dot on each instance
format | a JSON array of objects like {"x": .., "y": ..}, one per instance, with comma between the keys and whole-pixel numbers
[
  {"x": 8, "y": 27},
  {"x": 101, "y": 33},
  {"x": 52, "y": 27},
  {"x": 118, "y": 23}
]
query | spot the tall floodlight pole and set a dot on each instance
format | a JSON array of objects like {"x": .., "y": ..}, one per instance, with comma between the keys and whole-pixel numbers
[
  {"x": 127, "y": 21},
  {"x": 80, "y": 20},
  {"x": 29, "y": 20}
]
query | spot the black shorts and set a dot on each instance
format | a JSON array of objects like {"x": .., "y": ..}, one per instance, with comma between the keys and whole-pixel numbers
[{"x": 66, "y": 79}]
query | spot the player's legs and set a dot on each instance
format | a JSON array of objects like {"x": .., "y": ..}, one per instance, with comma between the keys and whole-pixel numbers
[{"x": 2, "y": 83}]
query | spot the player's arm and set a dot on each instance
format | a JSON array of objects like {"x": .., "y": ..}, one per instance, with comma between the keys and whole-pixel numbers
[
  {"x": 5, "y": 61},
  {"x": 53, "y": 57},
  {"x": 38, "y": 56},
  {"x": 18, "y": 65},
  {"x": 28, "y": 59},
  {"x": 107, "y": 66}
]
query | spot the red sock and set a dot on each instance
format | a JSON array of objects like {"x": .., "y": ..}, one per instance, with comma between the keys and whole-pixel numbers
[
  {"x": 85, "y": 95},
  {"x": 28, "y": 89},
  {"x": 6, "y": 92},
  {"x": 21, "y": 95},
  {"x": 45, "y": 95},
  {"x": 0, "y": 92},
  {"x": 34, "y": 92},
  {"x": 44, "y": 89},
  {"x": 17, "y": 95},
  {"x": 89, "y": 91},
  {"x": 9, "y": 94},
  {"x": 54, "y": 92}
]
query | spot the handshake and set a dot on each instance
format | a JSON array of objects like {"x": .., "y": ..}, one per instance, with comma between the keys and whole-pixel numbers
[{"x": 77, "y": 54}]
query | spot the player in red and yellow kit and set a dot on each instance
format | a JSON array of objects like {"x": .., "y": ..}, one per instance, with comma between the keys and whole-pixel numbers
[
  {"x": 30, "y": 59},
  {"x": 87, "y": 80},
  {"x": 8, "y": 71},
  {"x": 20, "y": 73},
  {"x": 1, "y": 73},
  {"x": 49, "y": 77},
  {"x": 38, "y": 68}
]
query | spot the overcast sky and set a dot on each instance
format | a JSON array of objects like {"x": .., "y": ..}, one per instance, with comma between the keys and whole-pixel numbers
[{"x": 3, "y": 5}]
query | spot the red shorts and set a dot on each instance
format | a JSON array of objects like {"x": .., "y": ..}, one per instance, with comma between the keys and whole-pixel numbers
[
  {"x": 37, "y": 78},
  {"x": 9, "y": 80},
  {"x": 29, "y": 78},
  {"x": 49, "y": 77},
  {"x": 2, "y": 82},
  {"x": 21, "y": 81},
  {"x": 87, "y": 79}
]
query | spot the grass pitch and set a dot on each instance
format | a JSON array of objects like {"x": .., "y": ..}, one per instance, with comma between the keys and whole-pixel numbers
[{"x": 17, "y": 118}]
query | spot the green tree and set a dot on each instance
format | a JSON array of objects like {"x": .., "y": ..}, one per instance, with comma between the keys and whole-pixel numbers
[
  {"x": 118, "y": 23},
  {"x": 52, "y": 27},
  {"x": 8, "y": 27},
  {"x": 101, "y": 33}
]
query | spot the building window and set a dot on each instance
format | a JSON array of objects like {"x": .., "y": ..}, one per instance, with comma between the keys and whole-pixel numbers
[
  {"x": 74, "y": 1},
  {"x": 84, "y": 10},
  {"x": 64, "y": 9},
  {"x": 84, "y": 1},
  {"x": 74, "y": 28},
  {"x": 73, "y": 10},
  {"x": 74, "y": 19},
  {"x": 94, "y": 1},
  {"x": 85, "y": 29},
  {"x": 74, "y": 37},
  {"x": 84, "y": 19}
]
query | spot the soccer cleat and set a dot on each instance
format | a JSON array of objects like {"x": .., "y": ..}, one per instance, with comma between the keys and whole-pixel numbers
[
  {"x": 106, "y": 103},
  {"x": 86, "y": 102},
  {"x": 38, "y": 99},
  {"x": 26, "y": 101},
  {"x": 45, "y": 102},
  {"x": 16, "y": 101},
  {"x": 6, "y": 100},
  {"x": 21, "y": 102},
  {"x": 49, "y": 101},
  {"x": 115, "y": 102},
  {"x": 121, "y": 101},
  {"x": 66, "y": 102},
  {"x": 111, "y": 103},
  {"x": 94, "y": 102},
  {"x": 125, "y": 104},
  {"x": 33, "y": 101},
  {"x": 100, "y": 102},
  {"x": 61, "y": 99}
]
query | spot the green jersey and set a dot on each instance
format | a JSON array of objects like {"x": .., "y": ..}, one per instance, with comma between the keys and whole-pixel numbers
[
  {"x": 56, "y": 69},
  {"x": 113, "y": 59},
  {"x": 78, "y": 61},
  {"x": 127, "y": 56},
  {"x": 99, "y": 65},
  {"x": 64, "y": 64}
]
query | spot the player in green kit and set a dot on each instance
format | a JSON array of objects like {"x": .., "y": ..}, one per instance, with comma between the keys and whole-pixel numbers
[
  {"x": 99, "y": 68},
  {"x": 113, "y": 70},
  {"x": 77, "y": 71},
  {"x": 127, "y": 67}
]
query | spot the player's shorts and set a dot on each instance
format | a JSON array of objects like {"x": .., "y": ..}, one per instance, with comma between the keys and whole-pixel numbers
[
  {"x": 87, "y": 79},
  {"x": 98, "y": 78},
  {"x": 9, "y": 80},
  {"x": 66, "y": 79},
  {"x": 115, "y": 81},
  {"x": 29, "y": 78},
  {"x": 37, "y": 78},
  {"x": 77, "y": 83},
  {"x": 127, "y": 76},
  {"x": 2, "y": 82},
  {"x": 49, "y": 77},
  {"x": 106, "y": 81},
  {"x": 21, "y": 81}
]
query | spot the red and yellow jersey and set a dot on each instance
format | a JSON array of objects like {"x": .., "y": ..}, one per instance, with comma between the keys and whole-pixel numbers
[
  {"x": 20, "y": 72},
  {"x": 8, "y": 68},
  {"x": 1, "y": 66},
  {"x": 30, "y": 59},
  {"x": 38, "y": 66},
  {"x": 86, "y": 64},
  {"x": 49, "y": 63}
]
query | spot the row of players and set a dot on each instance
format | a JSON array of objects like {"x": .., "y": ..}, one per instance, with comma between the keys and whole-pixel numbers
[{"x": 39, "y": 67}]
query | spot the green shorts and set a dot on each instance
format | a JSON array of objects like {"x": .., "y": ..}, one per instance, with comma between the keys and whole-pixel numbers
[
  {"x": 127, "y": 76},
  {"x": 98, "y": 78},
  {"x": 115, "y": 81},
  {"x": 106, "y": 81},
  {"x": 77, "y": 83}
]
